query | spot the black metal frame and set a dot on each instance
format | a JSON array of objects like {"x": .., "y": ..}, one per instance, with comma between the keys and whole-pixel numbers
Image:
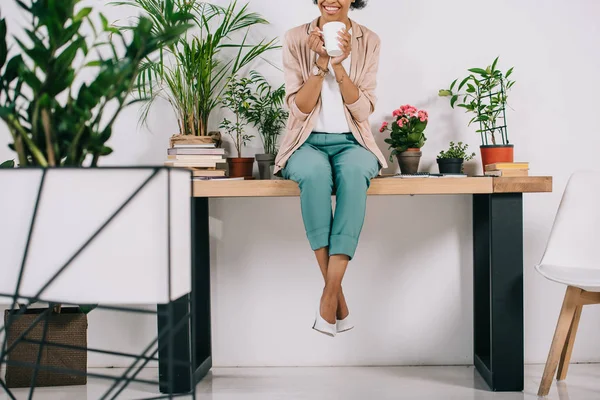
[
  {"x": 199, "y": 340},
  {"x": 498, "y": 290},
  {"x": 170, "y": 330}
]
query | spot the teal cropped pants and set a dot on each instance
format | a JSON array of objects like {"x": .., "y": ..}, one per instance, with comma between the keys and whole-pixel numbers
[{"x": 323, "y": 163}]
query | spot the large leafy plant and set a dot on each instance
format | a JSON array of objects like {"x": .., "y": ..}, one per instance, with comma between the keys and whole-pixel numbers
[
  {"x": 485, "y": 96},
  {"x": 235, "y": 98},
  {"x": 193, "y": 72},
  {"x": 407, "y": 131},
  {"x": 55, "y": 119},
  {"x": 266, "y": 111}
]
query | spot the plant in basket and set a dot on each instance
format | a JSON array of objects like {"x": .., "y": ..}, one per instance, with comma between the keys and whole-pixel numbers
[
  {"x": 451, "y": 161},
  {"x": 236, "y": 99},
  {"x": 485, "y": 96},
  {"x": 407, "y": 137}
]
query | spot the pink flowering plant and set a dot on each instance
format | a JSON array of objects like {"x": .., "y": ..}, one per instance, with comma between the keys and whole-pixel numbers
[{"x": 407, "y": 131}]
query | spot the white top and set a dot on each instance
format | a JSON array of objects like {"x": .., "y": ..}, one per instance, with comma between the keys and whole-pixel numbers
[{"x": 332, "y": 118}]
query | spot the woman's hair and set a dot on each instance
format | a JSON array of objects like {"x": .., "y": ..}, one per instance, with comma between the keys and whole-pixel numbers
[{"x": 357, "y": 5}]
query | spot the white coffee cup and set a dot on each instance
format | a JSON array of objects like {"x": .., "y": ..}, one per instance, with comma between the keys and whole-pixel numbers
[{"x": 331, "y": 32}]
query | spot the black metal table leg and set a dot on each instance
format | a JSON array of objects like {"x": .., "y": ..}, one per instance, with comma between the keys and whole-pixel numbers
[
  {"x": 201, "y": 328},
  {"x": 174, "y": 378},
  {"x": 498, "y": 290},
  {"x": 191, "y": 345}
]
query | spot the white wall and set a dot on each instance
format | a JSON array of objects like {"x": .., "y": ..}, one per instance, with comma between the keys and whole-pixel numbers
[{"x": 410, "y": 285}]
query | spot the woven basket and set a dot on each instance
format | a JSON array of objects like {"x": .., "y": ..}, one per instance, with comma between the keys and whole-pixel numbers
[{"x": 67, "y": 328}]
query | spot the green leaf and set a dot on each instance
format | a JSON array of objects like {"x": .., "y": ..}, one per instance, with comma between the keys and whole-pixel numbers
[
  {"x": 453, "y": 101},
  {"x": 445, "y": 93},
  {"x": 479, "y": 71},
  {"x": 11, "y": 72},
  {"x": 463, "y": 83},
  {"x": 105, "y": 151},
  {"x": 39, "y": 55},
  {"x": 84, "y": 12},
  {"x": 96, "y": 63},
  {"x": 104, "y": 22},
  {"x": 509, "y": 72},
  {"x": 23, "y": 5},
  {"x": 494, "y": 64},
  {"x": 452, "y": 85},
  {"x": 8, "y": 164},
  {"x": 3, "y": 46}
]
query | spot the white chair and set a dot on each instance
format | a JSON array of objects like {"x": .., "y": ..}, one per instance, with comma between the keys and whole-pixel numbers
[{"x": 572, "y": 258}]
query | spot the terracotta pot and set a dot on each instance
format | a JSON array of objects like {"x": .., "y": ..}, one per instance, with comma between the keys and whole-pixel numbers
[
  {"x": 409, "y": 161},
  {"x": 240, "y": 167},
  {"x": 264, "y": 162},
  {"x": 492, "y": 154},
  {"x": 450, "y": 165}
]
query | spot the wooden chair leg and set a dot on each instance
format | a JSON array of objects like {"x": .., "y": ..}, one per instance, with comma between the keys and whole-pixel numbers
[
  {"x": 565, "y": 358},
  {"x": 563, "y": 326}
]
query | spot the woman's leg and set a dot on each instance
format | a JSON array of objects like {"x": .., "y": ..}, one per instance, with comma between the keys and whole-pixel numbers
[
  {"x": 323, "y": 260},
  {"x": 310, "y": 168},
  {"x": 353, "y": 169}
]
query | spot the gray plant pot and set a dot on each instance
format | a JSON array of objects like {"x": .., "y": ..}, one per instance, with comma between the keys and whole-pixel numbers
[
  {"x": 409, "y": 161},
  {"x": 264, "y": 162}
]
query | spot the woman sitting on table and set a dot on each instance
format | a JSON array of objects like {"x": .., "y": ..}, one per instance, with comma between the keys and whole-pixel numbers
[{"x": 329, "y": 144}]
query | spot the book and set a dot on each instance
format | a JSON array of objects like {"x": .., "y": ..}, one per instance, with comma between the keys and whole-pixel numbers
[
  {"x": 181, "y": 151},
  {"x": 216, "y": 178},
  {"x": 192, "y": 164},
  {"x": 503, "y": 166},
  {"x": 509, "y": 173},
  {"x": 207, "y": 172},
  {"x": 194, "y": 146},
  {"x": 194, "y": 158}
]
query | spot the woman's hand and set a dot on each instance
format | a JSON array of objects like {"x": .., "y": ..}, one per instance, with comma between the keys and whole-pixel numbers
[
  {"x": 316, "y": 43},
  {"x": 345, "y": 40}
]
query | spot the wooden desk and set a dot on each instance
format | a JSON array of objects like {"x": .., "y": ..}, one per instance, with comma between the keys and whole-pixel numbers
[
  {"x": 381, "y": 186},
  {"x": 497, "y": 269}
]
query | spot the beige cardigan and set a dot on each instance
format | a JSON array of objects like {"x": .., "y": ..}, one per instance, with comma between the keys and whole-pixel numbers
[{"x": 298, "y": 61}]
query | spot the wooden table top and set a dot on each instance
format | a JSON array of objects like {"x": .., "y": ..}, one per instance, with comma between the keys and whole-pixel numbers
[{"x": 382, "y": 186}]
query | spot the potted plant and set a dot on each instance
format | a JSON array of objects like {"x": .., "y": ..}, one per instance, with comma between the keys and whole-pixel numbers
[
  {"x": 55, "y": 120},
  {"x": 266, "y": 113},
  {"x": 485, "y": 96},
  {"x": 192, "y": 73},
  {"x": 452, "y": 160},
  {"x": 407, "y": 137},
  {"x": 235, "y": 98}
]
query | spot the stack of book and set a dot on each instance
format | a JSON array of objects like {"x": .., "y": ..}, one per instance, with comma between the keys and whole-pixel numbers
[
  {"x": 205, "y": 160},
  {"x": 514, "y": 169}
]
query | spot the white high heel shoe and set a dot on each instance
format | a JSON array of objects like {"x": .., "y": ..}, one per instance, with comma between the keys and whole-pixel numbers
[
  {"x": 323, "y": 326},
  {"x": 344, "y": 325}
]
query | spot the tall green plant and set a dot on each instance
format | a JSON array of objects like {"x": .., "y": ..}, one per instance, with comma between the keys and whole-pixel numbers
[
  {"x": 53, "y": 120},
  {"x": 266, "y": 111},
  {"x": 235, "y": 98},
  {"x": 193, "y": 73},
  {"x": 485, "y": 96}
]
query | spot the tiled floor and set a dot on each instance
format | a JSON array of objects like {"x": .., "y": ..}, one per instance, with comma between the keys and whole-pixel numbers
[{"x": 373, "y": 383}]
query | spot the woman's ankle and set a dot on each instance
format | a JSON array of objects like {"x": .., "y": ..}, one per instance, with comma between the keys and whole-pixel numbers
[{"x": 342, "y": 308}]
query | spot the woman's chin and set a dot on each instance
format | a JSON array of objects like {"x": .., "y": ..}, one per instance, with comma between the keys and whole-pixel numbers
[{"x": 331, "y": 18}]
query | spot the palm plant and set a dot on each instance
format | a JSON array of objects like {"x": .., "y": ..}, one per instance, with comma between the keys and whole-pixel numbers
[
  {"x": 266, "y": 111},
  {"x": 193, "y": 72}
]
